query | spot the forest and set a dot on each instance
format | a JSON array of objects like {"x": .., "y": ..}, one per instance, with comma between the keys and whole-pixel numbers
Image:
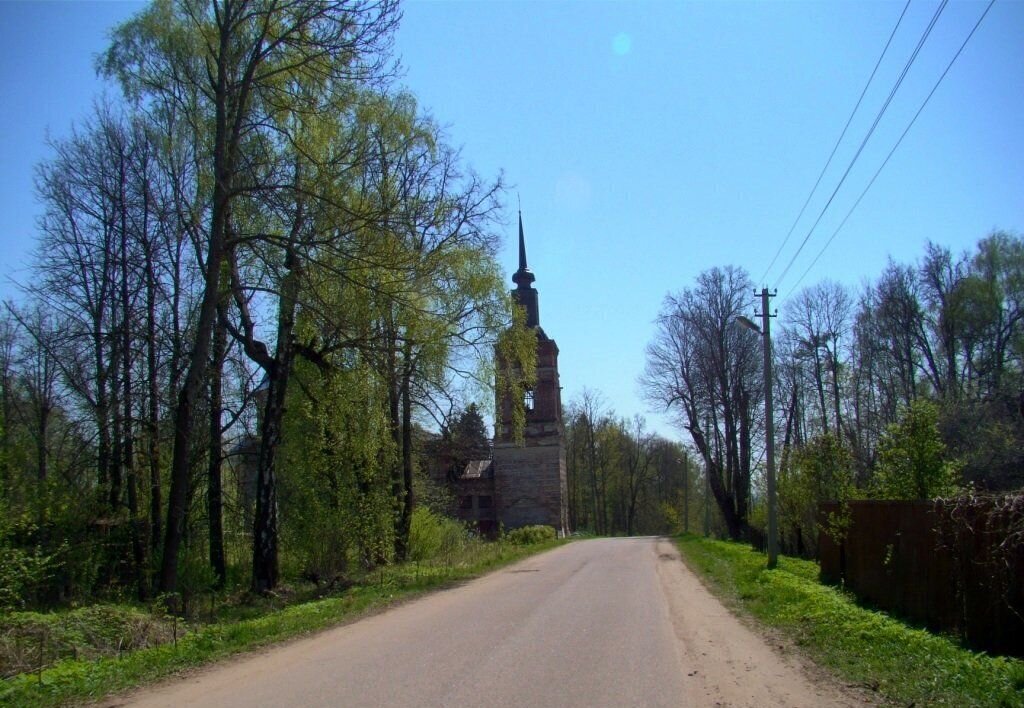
[
  {"x": 257, "y": 272},
  {"x": 910, "y": 388}
]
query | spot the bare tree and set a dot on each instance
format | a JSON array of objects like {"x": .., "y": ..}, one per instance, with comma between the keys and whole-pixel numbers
[{"x": 704, "y": 368}]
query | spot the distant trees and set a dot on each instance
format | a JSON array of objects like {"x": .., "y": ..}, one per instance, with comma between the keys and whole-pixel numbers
[
  {"x": 915, "y": 384},
  {"x": 623, "y": 479}
]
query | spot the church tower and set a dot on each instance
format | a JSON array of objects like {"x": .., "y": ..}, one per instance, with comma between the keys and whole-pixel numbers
[{"x": 530, "y": 479}]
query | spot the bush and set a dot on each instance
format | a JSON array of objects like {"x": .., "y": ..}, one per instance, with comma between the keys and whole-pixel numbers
[
  {"x": 433, "y": 535},
  {"x": 527, "y": 535},
  {"x": 30, "y": 638}
]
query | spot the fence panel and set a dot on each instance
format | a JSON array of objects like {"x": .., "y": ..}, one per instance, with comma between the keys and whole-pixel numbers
[{"x": 944, "y": 564}]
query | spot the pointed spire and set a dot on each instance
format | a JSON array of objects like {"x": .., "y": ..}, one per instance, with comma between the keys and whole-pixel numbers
[
  {"x": 525, "y": 294},
  {"x": 522, "y": 245},
  {"x": 523, "y": 277}
]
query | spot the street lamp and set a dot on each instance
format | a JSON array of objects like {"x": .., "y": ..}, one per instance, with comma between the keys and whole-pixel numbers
[{"x": 769, "y": 424}]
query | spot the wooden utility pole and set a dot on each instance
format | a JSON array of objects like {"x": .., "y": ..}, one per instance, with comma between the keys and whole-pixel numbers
[
  {"x": 769, "y": 420},
  {"x": 769, "y": 430}
]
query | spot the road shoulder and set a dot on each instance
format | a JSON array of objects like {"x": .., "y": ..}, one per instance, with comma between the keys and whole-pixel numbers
[{"x": 725, "y": 662}]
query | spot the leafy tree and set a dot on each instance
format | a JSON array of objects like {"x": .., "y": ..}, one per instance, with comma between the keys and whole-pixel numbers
[
  {"x": 237, "y": 69},
  {"x": 912, "y": 459},
  {"x": 822, "y": 470}
]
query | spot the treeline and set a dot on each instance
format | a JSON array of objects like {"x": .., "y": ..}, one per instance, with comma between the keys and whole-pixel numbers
[
  {"x": 912, "y": 387},
  {"x": 624, "y": 479},
  {"x": 264, "y": 259}
]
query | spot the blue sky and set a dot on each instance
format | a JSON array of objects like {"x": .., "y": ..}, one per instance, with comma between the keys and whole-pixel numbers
[{"x": 648, "y": 142}]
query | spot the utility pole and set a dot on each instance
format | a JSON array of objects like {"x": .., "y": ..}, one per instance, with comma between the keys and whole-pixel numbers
[
  {"x": 707, "y": 488},
  {"x": 769, "y": 431},
  {"x": 686, "y": 493},
  {"x": 769, "y": 423}
]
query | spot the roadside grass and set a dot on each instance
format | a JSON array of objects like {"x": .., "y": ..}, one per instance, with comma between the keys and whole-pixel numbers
[
  {"x": 78, "y": 680},
  {"x": 904, "y": 664}
]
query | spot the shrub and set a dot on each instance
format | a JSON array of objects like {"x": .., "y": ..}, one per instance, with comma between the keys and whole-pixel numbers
[
  {"x": 526, "y": 535},
  {"x": 913, "y": 462},
  {"x": 433, "y": 535},
  {"x": 28, "y": 639}
]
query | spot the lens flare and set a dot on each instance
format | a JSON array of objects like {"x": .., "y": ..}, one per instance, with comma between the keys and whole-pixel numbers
[{"x": 622, "y": 43}]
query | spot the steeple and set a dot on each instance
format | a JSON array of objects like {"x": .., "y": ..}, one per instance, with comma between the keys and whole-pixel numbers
[
  {"x": 525, "y": 294},
  {"x": 524, "y": 276}
]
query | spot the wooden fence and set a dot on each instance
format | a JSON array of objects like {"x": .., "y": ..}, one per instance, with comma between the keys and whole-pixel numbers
[{"x": 953, "y": 565}]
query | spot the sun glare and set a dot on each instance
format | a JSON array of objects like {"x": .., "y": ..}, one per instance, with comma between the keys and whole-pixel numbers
[{"x": 622, "y": 43}]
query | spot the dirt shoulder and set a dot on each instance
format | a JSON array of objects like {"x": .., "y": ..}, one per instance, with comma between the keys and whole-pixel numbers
[{"x": 728, "y": 664}]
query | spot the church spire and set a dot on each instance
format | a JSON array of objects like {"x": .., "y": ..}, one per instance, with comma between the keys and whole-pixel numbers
[
  {"x": 525, "y": 294},
  {"x": 524, "y": 276}
]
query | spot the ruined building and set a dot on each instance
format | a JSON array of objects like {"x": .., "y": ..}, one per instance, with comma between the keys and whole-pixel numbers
[{"x": 522, "y": 483}]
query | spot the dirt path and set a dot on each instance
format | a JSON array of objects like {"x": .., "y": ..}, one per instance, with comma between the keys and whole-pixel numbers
[
  {"x": 726, "y": 663},
  {"x": 607, "y": 622}
]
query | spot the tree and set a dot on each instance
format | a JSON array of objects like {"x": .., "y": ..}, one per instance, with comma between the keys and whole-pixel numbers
[
  {"x": 232, "y": 66},
  {"x": 912, "y": 460},
  {"x": 821, "y": 470},
  {"x": 704, "y": 368}
]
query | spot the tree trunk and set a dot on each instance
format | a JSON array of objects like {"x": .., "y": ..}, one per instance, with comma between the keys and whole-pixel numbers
[
  {"x": 214, "y": 497},
  {"x": 265, "y": 573},
  {"x": 184, "y": 412},
  {"x": 223, "y": 173},
  {"x": 153, "y": 422},
  {"x": 407, "y": 499}
]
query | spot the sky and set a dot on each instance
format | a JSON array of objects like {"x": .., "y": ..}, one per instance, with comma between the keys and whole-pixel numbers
[{"x": 646, "y": 142}]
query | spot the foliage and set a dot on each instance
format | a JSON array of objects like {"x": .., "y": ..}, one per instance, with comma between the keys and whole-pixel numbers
[
  {"x": 335, "y": 489},
  {"x": 87, "y": 633},
  {"x": 623, "y": 479},
  {"x": 821, "y": 470},
  {"x": 528, "y": 535},
  {"x": 912, "y": 459},
  {"x": 864, "y": 647},
  {"x": 434, "y": 536},
  {"x": 516, "y": 369},
  {"x": 23, "y": 569},
  {"x": 255, "y": 280}
]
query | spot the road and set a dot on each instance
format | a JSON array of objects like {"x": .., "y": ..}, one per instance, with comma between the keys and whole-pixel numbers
[{"x": 604, "y": 622}]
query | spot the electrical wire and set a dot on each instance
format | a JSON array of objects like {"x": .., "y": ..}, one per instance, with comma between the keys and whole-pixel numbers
[
  {"x": 864, "y": 142},
  {"x": 836, "y": 146},
  {"x": 886, "y": 161}
]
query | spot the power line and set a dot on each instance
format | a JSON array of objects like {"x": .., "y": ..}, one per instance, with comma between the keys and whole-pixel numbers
[
  {"x": 886, "y": 161},
  {"x": 836, "y": 146},
  {"x": 864, "y": 142}
]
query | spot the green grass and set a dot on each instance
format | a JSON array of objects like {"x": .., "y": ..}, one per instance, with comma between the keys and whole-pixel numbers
[
  {"x": 74, "y": 681},
  {"x": 904, "y": 664}
]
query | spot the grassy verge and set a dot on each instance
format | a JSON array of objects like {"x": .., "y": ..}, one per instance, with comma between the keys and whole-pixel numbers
[
  {"x": 77, "y": 680},
  {"x": 865, "y": 647}
]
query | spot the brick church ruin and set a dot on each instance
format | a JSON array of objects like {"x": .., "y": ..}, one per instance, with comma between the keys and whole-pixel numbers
[{"x": 522, "y": 483}]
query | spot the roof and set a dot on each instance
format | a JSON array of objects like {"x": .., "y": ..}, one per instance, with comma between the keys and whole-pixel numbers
[{"x": 478, "y": 469}]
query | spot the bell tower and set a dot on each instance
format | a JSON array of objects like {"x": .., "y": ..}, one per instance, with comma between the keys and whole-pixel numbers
[{"x": 530, "y": 478}]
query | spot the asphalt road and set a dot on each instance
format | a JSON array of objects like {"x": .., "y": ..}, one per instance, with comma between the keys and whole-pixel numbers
[{"x": 605, "y": 622}]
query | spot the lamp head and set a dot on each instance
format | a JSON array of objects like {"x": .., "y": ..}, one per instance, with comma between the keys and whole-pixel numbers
[{"x": 749, "y": 324}]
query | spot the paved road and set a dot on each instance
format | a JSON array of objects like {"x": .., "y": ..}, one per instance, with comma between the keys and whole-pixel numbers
[{"x": 607, "y": 622}]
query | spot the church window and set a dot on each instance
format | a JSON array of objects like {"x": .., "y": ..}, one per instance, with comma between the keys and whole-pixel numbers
[{"x": 528, "y": 399}]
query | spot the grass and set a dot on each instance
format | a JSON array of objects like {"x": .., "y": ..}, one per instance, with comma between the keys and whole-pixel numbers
[
  {"x": 904, "y": 664},
  {"x": 72, "y": 681}
]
